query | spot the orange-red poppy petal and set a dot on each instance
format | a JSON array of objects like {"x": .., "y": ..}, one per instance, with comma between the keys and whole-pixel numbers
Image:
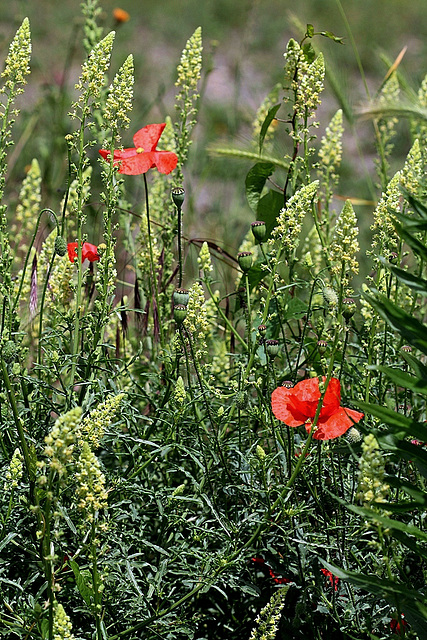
[
  {"x": 284, "y": 408},
  {"x": 165, "y": 161},
  {"x": 136, "y": 164},
  {"x": 148, "y": 137},
  {"x": 335, "y": 425}
]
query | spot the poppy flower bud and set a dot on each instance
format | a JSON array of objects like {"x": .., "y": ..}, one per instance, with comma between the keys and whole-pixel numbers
[
  {"x": 348, "y": 308},
  {"x": 179, "y": 313},
  {"x": 322, "y": 346},
  {"x": 180, "y": 297},
  {"x": 259, "y": 230},
  {"x": 60, "y": 246},
  {"x": 272, "y": 347},
  {"x": 262, "y": 330},
  {"x": 178, "y": 195},
  {"x": 244, "y": 258},
  {"x": 9, "y": 351},
  {"x": 241, "y": 399}
]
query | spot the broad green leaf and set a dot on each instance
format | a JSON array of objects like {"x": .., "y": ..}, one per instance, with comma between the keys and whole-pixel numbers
[
  {"x": 409, "y": 222},
  {"x": 416, "y": 245},
  {"x": 269, "y": 207},
  {"x": 411, "y": 329},
  {"x": 267, "y": 122},
  {"x": 405, "y": 380},
  {"x": 419, "y": 496},
  {"x": 414, "y": 282},
  {"x": 255, "y": 181},
  {"x": 416, "y": 205},
  {"x": 83, "y": 587}
]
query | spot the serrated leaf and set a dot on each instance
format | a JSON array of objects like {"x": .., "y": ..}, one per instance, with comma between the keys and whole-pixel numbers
[
  {"x": 255, "y": 182},
  {"x": 81, "y": 583},
  {"x": 267, "y": 122}
]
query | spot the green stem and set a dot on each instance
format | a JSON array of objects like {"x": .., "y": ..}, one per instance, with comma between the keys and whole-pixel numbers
[{"x": 152, "y": 267}]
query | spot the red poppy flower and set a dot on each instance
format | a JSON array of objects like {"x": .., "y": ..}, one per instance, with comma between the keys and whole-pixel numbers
[
  {"x": 332, "y": 579},
  {"x": 298, "y": 405},
  {"x": 89, "y": 251},
  {"x": 144, "y": 155},
  {"x": 395, "y": 625}
]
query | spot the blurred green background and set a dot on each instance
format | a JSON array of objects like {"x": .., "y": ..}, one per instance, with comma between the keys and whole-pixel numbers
[{"x": 244, "y": 41}]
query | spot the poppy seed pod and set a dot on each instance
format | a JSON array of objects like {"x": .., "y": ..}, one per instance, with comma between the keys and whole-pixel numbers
[
  {"x": 288, "y": 384},
  {"x": 406, "y": 348},
  {"x": 60, "y": 246},
  {"x": 262, "y": 330},
  {"x": 244, "y": 258},
  {"x": 393, "y": 257},
  {"x": 181, "y": 297},
  {"x": 322, "y": 345},
  {"x": 179, "y": 313},
  {"x": 178, "y": 195},
  {"x": 272, "y": 347},
  {"x": 348, "y": 308},
  {"x": 259, "y": 230}
]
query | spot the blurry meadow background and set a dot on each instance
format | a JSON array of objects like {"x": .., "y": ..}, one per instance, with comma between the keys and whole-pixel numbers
[{"x": 244, "y": 41}]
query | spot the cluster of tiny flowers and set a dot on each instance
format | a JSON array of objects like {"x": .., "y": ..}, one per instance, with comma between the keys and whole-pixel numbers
[
  {"x": 61, "y": 439},
  {"x": 204, "y": 259},
  {"x": 92, "y": 78},
  {"x": 372, "y": 487},
  {"x": 190, "y": 66},
  {"x": 292, "y": 56},
  {"x": 310, "y": 87},
  {"x": 14, "y": 472},
  {"x": 261, "y": 115},
  {"x": 60, "y": 283},
  {"x": 90, "y": 483},
  {"x": 73, "y": 197},
  {"x": 412, "y": 173},
  {"x": 196, "y": 321},
  {"x": 61, "y": 624},
  {"x": 290, "y": 219},
  {"x": 344, "y": 245},
  {"x": 28, "y": 207},
  {"x": 17, "y": 63},
  {"x": 387, "y": 126},
  {"x": 419, "y": 127},
  {"x": 179, "y": 393},
  {"x": 385, "y": 237},
  {"x": 312, "y": 250},
  {"x": 92, "y": 32},
  {"x": 330, "y": 151},
  {"x": 269, "y": 617},
  {"x": 92, "y": 427},
  {"x": 119, "y": 100}
]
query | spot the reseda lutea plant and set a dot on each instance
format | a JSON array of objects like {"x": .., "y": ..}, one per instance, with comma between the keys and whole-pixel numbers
[{"x": 179, "y": 459}]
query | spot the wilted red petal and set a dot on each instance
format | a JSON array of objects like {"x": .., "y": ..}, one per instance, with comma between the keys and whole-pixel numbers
[
  {"x": 148, "y": 137},
  {"x": 72, "y": 251}
]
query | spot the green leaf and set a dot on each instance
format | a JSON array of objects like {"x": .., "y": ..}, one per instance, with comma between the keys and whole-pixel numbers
[
  {"x": 411, "y": 329},
  {"x": 331, "y": 36},
  {"x": 44, "y": 628},
  {"x": 267, "y": 122},
  {"x": 405, "y": 380},
  {"x": 255, "y": 181},
  {"x": 310, "y": 31},
  {"x": 84, "y": 589},
  {"x": 295, "y": 308},
  {"x": 412, "y": 602},
  {"x": 416, "y": 364},
  {"x": 416, "y": 245},
  {"x": 233, "y": 152},
  {"x": 414, "y": 282},
  {"x": 401, "y": 426},
  {"x": 309, "y": 52},
  {"x": 269, "y": 207}
]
